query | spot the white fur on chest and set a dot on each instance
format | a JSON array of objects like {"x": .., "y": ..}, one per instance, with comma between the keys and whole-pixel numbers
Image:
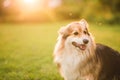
[{"x": 69, "y": 64}]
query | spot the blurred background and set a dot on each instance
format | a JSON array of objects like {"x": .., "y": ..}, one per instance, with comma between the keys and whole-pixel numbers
[
  {"x": 28, "y": 33},
  {"x": 51, "y": 10}
]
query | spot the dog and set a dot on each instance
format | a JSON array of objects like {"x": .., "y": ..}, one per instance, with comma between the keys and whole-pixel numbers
[{"x": 78, "y": 57}]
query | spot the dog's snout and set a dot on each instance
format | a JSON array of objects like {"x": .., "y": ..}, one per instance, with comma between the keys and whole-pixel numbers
[{"x": 85, "y": 41}]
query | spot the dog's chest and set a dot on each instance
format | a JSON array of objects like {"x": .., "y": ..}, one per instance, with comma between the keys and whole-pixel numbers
[
  {"x": 69, "y": 65},
  {"x": 68, "y": 59}
]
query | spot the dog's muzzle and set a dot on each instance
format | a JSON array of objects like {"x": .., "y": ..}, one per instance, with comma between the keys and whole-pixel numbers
[{"x": 81, "y": 46}]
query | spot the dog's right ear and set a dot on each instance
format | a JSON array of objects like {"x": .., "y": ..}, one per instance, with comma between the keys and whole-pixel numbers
[{"x": 63, "y": 32}]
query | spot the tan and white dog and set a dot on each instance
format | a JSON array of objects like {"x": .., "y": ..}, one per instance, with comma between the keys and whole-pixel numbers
[{"x": 78, "y": 57}]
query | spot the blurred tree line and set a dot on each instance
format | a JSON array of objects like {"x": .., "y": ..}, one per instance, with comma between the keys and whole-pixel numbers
[
  {"x": 107, "y": 11},
  {"x": 8, "y": 13}
]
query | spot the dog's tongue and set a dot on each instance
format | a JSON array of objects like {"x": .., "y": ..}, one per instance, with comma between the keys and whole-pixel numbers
[{"x": 80, "y": 46}]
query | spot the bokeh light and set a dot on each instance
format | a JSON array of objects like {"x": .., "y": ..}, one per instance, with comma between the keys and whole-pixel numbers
[{"x": 6, "y": 3}]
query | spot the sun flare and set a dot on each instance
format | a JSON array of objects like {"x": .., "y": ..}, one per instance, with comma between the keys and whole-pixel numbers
[
  {"x": 29, "y": 5},
  {"x": 29, "y": 1},
  {"x": 32, "y": 4}
]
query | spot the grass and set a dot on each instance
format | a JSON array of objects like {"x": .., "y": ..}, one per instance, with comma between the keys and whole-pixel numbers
[{"x": 26, "y": 49}]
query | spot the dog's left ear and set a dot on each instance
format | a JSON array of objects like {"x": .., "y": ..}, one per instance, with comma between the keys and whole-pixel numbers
[
  {"x": 84, "y": 23},
  {"x": 85, "y": 26}
]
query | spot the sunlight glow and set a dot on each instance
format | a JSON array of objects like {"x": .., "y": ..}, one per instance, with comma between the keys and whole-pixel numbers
[
  {"x": 30, "y": 9},
  {"x": 29, "y": 2},
  {"x": 34, "y": 10},
  {"x": 28, "y": 5}
]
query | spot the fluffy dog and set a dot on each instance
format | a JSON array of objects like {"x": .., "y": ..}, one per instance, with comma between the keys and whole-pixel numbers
[{"x": 78, "y": 57}]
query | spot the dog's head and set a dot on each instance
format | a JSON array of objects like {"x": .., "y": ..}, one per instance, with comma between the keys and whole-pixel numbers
[{"x": 75, "y": 35}]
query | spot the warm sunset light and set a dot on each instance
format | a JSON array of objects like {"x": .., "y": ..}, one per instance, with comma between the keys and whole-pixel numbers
[
  {"x": 30, "y": 2},
  {"x": 31, "y": 5},
  {"x": 31, "y": 9}
]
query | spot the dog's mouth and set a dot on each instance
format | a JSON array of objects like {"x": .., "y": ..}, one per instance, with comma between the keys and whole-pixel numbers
[{"x": 80, "y": 46}]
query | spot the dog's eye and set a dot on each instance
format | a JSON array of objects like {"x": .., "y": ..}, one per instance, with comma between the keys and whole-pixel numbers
[
  {"x": 75, "y": 33},
  {"x": 85, "y": 32}
]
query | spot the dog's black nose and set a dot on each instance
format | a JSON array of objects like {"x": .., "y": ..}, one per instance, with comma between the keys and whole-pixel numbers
[{"x": 85, "y": 41}]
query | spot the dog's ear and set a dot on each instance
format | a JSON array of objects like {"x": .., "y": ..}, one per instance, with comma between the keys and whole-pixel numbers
[
  {"x": 84, "y": 23},
  {"x": 63, "y": 32}
]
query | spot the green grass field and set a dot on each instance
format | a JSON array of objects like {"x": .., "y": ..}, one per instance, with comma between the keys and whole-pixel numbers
[{"x": 26, "y": 50}]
